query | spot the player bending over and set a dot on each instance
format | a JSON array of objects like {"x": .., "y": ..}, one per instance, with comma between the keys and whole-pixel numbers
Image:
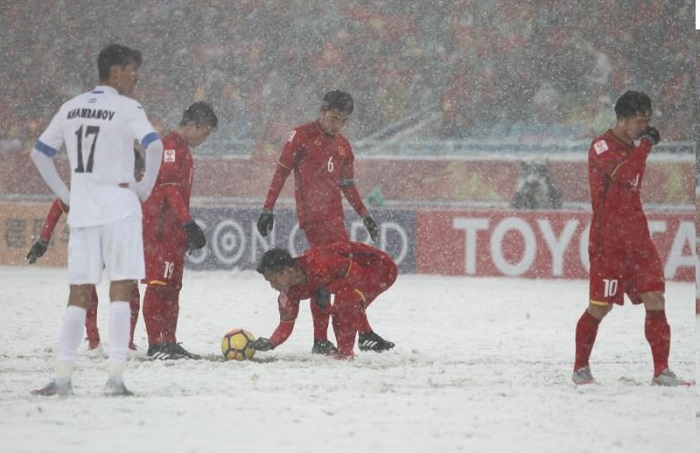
[{"x": 354, "y": 272}]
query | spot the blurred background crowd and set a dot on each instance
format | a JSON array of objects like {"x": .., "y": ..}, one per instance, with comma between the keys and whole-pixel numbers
[{"x": 538, "y": 69}]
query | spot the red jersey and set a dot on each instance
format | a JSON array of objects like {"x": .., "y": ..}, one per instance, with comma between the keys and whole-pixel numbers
[
  {"x": 349, "y": 268},
  {"x": 615, "y": 172},
  {"x": 324, "y": 166},
  {"x": 168, "y": 207}
]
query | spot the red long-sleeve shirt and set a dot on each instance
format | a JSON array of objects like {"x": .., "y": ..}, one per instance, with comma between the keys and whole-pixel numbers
[
  {"x": 615, "y": 171},
  {"x": 55, "y": 212},
  {"x": 168, "y": 207},
  {"x": 324, "y": 168}
]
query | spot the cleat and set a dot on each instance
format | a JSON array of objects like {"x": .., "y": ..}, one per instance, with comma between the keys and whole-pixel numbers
[
  {"x": 54, "y": 388},
  {"x": 162, "y": 352},
  {"x": 668, "y": 378},
  {"x": 114, "y": 388},
  {"x": 583, "y": 376},
  {"x": 370, "y": 341},
  {"x": 175, "y": 348},
  {"x": 323, "y": 347}
]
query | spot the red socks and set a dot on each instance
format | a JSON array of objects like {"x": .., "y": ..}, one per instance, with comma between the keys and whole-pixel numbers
[
  {"x": 320, "y": 317},
  {"x": 161, "y": 308},
  {"x": 658, "y": 334},
  {"x": 586, "y": 331}
]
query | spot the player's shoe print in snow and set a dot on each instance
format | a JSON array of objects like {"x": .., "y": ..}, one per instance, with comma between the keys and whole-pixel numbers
[
  {"x": 370, "y": 341},
  {"x": 668, "y": 378},
  {"x": 583, "y": 376}
]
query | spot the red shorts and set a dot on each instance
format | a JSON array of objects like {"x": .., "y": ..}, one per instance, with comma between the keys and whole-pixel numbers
[
  {"x": 165, "y": 263},
  {"x": 619, "y": 272}
]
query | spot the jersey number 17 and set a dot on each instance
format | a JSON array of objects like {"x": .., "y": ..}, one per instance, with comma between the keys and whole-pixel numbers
[{"x": 91, "y": 132}]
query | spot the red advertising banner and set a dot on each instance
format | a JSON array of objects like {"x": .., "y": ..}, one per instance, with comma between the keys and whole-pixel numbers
[{"x": 535, "y": 244}]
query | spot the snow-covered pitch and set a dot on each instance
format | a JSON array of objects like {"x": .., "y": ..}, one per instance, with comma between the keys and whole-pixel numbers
[{"x": 480, "y": 365}]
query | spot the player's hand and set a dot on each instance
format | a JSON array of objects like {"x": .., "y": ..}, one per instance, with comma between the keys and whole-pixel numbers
[
  {"x": 37, "y": 251},
  {"x": 322, "y": 297},
  {"x": 372, "y": 227},
  {"x": 265, "y": 222},
  {"x": 263, "y": 344},
  {"x": 195, "y": 236},
  {"x": 652, "y": 134}
]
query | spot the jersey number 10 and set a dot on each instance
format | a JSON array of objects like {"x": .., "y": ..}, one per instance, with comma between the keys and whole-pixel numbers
[{"x": 90, "y": 132}]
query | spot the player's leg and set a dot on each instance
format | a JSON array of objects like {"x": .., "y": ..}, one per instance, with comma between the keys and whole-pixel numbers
[
  {"x": 605, "y": 289},
  {"x": 320, "y": 304},
  {"x": 344, "y": 316},
  {"x": 165, "y": 262},
  {"x": 122, "y": 247},
  {"x": 153, "y": 309},
  {"x": 647, "y": 286},
  {"x": 171, "y": 313},
  {"x": 135, "y": 306},
  {"x": 91, "y": 330},
  {"x": 84, "y": 271},
  {"x": 383, "y": 276}
]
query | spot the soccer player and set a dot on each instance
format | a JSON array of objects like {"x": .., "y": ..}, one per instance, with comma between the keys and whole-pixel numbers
[
  {"x": 169, "y": 232},
  {"x": 623, "y": 257},
  {"x": 41, "y": 245},
  {"x": 324, "y": 171},
  {"x": 354, "y": 272},
  {"x": 98, "y": 129}
]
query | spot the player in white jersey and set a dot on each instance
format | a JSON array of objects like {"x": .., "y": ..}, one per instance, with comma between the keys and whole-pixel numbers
[{"x": 98, "y": 129}]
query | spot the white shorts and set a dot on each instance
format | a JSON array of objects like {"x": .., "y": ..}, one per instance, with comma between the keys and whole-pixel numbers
[{"x": 116, "y": 247}]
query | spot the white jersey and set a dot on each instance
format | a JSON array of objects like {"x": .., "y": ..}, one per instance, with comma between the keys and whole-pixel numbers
[{"x": 98, "y": 129}]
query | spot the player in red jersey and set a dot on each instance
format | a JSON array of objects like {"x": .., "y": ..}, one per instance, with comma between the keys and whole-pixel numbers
[
  {"x": 324, "y": 171},
  {"x": 39, "y": 248},
  {"x": 623, "y": 257},
  {"x": 169, "y": 232},
  {"x": 354, "y": 272}
]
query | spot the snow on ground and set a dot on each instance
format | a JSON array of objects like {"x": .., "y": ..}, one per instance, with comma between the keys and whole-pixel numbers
[{"x": 481, "y": 365}]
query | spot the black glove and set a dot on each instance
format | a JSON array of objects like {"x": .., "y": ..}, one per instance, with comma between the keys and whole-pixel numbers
[
  {"x": 195, "y": 236},
  {"x": 37, "y": 251},
  {"x": 322, "y": 297},
  {"x": 372, "y": 227},
  {"x": 263, "y": 344},
  {"x": 652, "y": 134},
  {"x": 265, "y": 222}
]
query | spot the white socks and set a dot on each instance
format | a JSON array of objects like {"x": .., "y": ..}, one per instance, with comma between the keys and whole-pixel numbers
[
  {"x": 119, "y": 333},
  {"x": 69, "y": 341}
]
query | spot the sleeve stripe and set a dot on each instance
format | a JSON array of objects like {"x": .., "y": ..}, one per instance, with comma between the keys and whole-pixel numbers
[
  {"x": 44, "y": 148},
  {"x": 148, "y": 139}
]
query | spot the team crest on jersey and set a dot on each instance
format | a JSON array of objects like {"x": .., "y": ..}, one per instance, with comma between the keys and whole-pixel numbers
[
  {"x": 341, "y": 150},
  {"x": 600, "y": 146},
  {"x": 169, "y": 155},
  {"x": 291, "y": 135}
]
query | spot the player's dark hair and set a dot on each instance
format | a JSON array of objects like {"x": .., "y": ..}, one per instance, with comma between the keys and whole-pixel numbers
[
  {"x": 275, "y": 260},
  {"x": 116, "y": 54},
  {"x": 340, "y": 100},
  {"x": 631, "y": 103},
  {"x": 201, "y": 114}
]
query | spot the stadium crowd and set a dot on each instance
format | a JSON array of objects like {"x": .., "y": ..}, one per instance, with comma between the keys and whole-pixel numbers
[{"x": 530, "y": 69}]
